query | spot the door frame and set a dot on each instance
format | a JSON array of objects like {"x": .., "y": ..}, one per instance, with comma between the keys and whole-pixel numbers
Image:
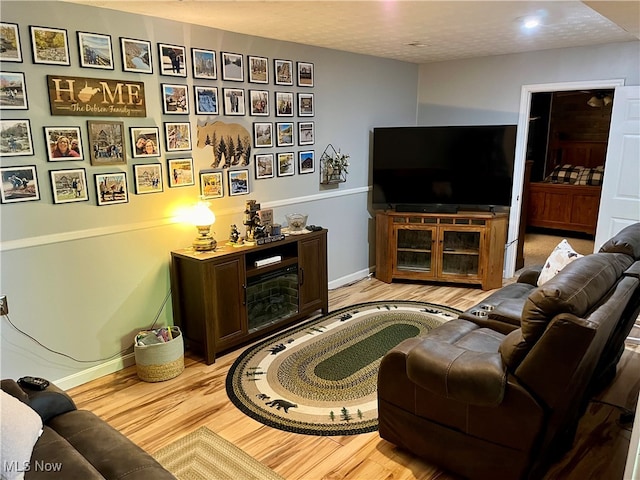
[{"x": 522, "y": 137}]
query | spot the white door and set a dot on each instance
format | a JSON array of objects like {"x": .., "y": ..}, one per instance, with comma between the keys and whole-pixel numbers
[{"x": 620, "y": 197}]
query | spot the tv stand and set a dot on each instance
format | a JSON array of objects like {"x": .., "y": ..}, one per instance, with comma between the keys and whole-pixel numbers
[
  {"x": 427, "y": 208},
  {"x": 465, "y": 247}
]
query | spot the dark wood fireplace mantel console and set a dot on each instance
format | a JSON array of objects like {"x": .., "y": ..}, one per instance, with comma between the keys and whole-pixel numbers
[{"x": 221, "y": 299}]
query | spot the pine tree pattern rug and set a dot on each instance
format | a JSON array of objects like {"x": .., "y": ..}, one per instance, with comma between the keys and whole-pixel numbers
[{"x": 320, "y": 378}]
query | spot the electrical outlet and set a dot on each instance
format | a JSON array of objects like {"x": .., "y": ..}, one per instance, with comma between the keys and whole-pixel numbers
[{"x": 4, "y": 306}]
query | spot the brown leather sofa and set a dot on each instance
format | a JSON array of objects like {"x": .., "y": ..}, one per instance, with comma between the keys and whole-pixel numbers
[
  {"x": 80, "y": 443},
  {"x": 500, "y": 396}
]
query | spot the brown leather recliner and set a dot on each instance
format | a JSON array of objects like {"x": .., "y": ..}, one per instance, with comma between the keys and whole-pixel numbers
[{"x": 486, "y": 404}]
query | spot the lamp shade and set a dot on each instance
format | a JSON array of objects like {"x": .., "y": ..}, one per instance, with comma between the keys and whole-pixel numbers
[{"x": 202, "y": 215}]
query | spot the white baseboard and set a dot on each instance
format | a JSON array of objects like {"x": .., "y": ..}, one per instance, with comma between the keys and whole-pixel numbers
[
  {"x": 96, "y": 371},
  {"x": 353, "y": 277}
]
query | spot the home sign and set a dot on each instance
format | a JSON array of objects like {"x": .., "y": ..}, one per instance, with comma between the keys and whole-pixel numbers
[{"x": 96, "y": 97}]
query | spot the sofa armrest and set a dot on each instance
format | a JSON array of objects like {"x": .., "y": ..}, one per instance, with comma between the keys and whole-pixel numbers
[
  {"x": 530, "y": 275},
  {"x": 476, "y": 378},
  {"x": 48, "y": 403}
]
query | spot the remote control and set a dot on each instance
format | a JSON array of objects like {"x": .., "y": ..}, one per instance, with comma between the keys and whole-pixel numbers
[
  {"x": 314, "y": 228},
  {"x": 34, "y": 383}
]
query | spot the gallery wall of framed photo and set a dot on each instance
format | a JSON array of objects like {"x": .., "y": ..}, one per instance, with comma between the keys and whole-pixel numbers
[{"x": 108, "y": 136}]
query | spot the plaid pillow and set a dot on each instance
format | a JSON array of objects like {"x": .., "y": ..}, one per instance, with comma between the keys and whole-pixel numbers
[
  {"x": 591, "y": 176},
  {"x": 564, "y": 174}
]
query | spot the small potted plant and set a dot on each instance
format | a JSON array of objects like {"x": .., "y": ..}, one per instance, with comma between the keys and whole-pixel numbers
[{"x": 334, "y": 166}]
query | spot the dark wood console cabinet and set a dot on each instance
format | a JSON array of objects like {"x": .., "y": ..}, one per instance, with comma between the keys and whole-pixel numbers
[
  {"x": 221, "y": 299},
  {"x": 457, "y": 248}
]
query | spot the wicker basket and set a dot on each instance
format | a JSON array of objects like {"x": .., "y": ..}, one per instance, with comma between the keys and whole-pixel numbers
[{"x": 160, "y": 361}]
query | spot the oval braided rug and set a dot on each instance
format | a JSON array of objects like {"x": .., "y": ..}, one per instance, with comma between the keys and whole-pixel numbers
[{"x": 320, "y": 378}]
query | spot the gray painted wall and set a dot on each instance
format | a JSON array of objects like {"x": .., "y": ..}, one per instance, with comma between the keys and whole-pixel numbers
[
  {"x": 487, "y": 90},
  {"x": 83, "y": 279}
]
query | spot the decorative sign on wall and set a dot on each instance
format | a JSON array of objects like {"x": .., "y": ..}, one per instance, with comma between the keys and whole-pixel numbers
[{"x": 81, "y": 96}]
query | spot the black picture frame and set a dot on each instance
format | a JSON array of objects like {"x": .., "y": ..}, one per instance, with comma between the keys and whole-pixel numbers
[
  {"x": 259, "y": 103},
  {"x": 95, "y": 50},
  {"x": 263, "y": 134},
  {"x": 106, "y": 142},
  {"x": 233, "y": 101},
  {"x": 137, "y": 55},
  {"x": 177, "y": 136},
  {"x": 211, "y": 184},
  {"x": 306, "y": 105},
  {"x": 175, "y": 99},
  {"x": 172, "y": 60},
  {"x": 286, "y": 164},
  {"x": 180, "y": 172},
  {"x": 305, "y": 74},
  {"x": 57, "y": 151},
  {"x": 10, "y": 39},
  {"x": 284, "y": 104},
  {"x": 49, "y": 46},
  {"x": 14, "y": 96},
  {"x": 19, "y": 184},
  {"x": 258, "y": 69},
  {"x": 15, "y": 138},
  {"x": 148, "y": 178},
  {"x": 284, "y": 134},
  {"x": 69, "y": 185},
  {"x": 204, "y": 64},
  {"x": 264, "y": 165},
  {"x": 238, "y": 182},
  {"x": 111, "y": 188},
  {"x": 306, "y": 133},
  {"x": 206, "y": 100},
  {"x": 145, "y": 142},
  {"x": 232, "y": 66},
  {"x": 283, "y": 72},
  {"x": 306, "y": 162}
]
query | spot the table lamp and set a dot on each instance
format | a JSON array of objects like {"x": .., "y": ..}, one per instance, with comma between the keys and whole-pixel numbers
[{"x": 202, "y": 218}]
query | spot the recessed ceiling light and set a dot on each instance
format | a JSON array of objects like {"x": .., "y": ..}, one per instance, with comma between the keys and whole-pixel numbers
[{"x": 531, "y": 22}]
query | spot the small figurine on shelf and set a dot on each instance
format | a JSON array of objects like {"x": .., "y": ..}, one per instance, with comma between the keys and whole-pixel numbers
[
  {"x": 251, "y": 218},
  {"x": 260, "y": 231},
  {"x": 234, "y": 235}
]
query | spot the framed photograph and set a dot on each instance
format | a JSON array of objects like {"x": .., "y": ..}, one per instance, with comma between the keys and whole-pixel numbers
[
  {"x": 50, "y": 45},
  {"x": 177, "y": 136},
  {"x": 284, "y": 104},
  {"x": 204, "y": 64},
  {"x": 19, "y": 184},
  {"x": 145, "y": 142},
  {"x": 15, "y": 138},
  {"x": 258, "y": 69},
  {"x": 69, "y": 185},
  {"x": 111, "y": 188},
  {"x": 63, "y": 144},
  {"x": 181, "y": 172},
  {"x": 264, "y": 165},
  {"x": 305, "y": 74},
  {"x": 306, "y": 133},
  {"x": 263, "y": 135},
  {"x": 238, "y": 182},
  {"x": 283, "y": 70},
  {"x": 13, "y": 95},
  {"x": 259, "y": 103},
  {"x": 233, "y": 101},
  {"x": 306, "y": 162},
  {"x": 232, "y": 68},
  {"x": 206, "y": 100},
  {"x": 148, "y": 178},
  {"x": 286, "y": 165},
  {"x": 11, "y": 50},
  {"x": 305, "y": 104},
  {"x": 285, "y": 134},
  {"x": 211, "y": 185},
  {"x": 136, "y": 55},
  {"x": 174, "y": 99},
  {"x": 172, "y": 60},
  {"x": 106, "y": 142},
  {"x": 95, "y": 50}
]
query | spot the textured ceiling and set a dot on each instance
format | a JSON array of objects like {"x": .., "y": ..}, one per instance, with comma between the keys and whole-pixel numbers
[{"x": 412, "y": 31}]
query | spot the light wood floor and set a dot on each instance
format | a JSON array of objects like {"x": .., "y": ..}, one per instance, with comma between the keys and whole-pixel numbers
[{"x": 155, "y": 414}]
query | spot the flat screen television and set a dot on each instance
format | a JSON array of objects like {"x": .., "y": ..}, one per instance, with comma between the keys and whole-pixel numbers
[{"x": 444, "y": 168}]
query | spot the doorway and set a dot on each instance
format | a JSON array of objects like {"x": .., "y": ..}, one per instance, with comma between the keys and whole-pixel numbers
[
  {"x": 568, "y": 132},
  {"x": 514, "y": 234}
]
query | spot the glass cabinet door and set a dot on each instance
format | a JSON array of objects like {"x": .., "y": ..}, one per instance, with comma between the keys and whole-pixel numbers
[
  {"x": 460, "y": 252},
  {"x": 413, "y": 249}
]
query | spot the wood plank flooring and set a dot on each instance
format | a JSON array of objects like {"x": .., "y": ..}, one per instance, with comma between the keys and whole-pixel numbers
[{"x": 155, "y": 414}]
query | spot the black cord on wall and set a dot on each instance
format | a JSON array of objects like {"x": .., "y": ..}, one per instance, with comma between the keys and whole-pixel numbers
[{"x": 121, "y": 352}]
